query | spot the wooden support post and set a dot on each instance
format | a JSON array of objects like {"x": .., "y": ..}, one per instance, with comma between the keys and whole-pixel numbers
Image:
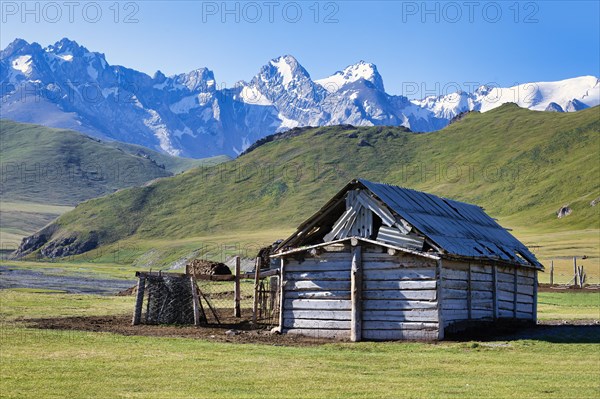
[
  {"x": 469, "y": 292},
  {"x": 439, "y": 299},
  {"x": 495, "y": 290},
  {"x": 256, "y": 288},
  {"x": 139, "y": 300},
  {"x": 281, "y": 287},
  {"x": 237, "y": 296},
  {"x": 195, "y": 301},
  {"x": 551, "y": 272},
  {"x": 515, "y": 288},
  {"x": 535, "y": 295},
  {"x": 575, "y": 270},
  {"x": 356, "y": 294}
]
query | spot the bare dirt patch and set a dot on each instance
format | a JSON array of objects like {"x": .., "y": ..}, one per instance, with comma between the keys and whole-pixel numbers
[
  {"x": 233, "y": 331},
  {"x": 229, "y": 331}
]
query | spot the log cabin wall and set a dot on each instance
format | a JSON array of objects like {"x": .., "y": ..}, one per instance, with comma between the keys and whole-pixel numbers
[
  {"x": 397, "y": 296},
  {"x": 479, "y": 291},
  {"x": 316, "y": 293}
]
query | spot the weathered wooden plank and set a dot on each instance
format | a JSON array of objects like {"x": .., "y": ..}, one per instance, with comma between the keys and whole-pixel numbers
[
  {"x": 454, "y": 314},
  {"x": 524, "y": 315},
  {"x": 455, "y": 265},
  {"x": 505, "y": 277},
  {"x": 318, "y": 285},
  {"x": 481, "y": 268},
  {"x": 319, "y": 266},
  {"x": 482, "y": 285},
  {"x": 399, "y": 325},
  {"x": 522, "y": 298},
  {"x": 455, "y": 294},
  {"x": 401, "y": 315},
  {"x": 399, "y": 285},
  {"x": 505, "y": 313},
  {"x": 487, "y": 295},
  {"x": 521, "y": 288},
  {"x": 317, "y": 314},
  {"x": 495, "y": 290},
  {"x": 524, "y": 307},
  {"x": 282, "y": 302},
  {"x": 319, "y": 333},
  {"x": 400, "y": 274},
  {"x": 455, "y": 284},
  {"x": 459, "y": 304},
  {"x": 393, "y": 335},
  {"x": 356, "y": 294},
  {"x": 506, "y": 305},
  {"x": 475, "y": 276},
  {"x": 139, "y": 300},
  {"x": 317, "y": 294},
  {"x": 420, "y": 295},
  {"x": 316, "y": 324},
  {"x": 482, "y": 304},
  {"x": 452, "y": 274},
  {"x": 479, "y": 314},
  {"x": 379, "y": 304},
  {"x": 505, "y": 296},
  {"x": 390, "y": 264},
  {"x": 525, "y": 272},
  {"x": 509, "y": 278},
  {"x": 195, "y": 300},
  {"x": 318, "y": 275},
  {"x": 535, "y": 296},
  {"x": 314, "y": 304}
]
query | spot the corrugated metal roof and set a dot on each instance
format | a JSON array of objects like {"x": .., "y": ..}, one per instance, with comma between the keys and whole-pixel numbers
[{"x": 459, "y": 228}]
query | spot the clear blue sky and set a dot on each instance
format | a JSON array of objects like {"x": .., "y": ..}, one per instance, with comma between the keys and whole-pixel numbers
[{"x": 433, "y": 43}]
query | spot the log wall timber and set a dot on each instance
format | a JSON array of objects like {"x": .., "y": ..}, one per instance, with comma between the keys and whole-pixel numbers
[
  {"x": 477, "y": 291},
  {"x": 399, "y": 297},
  {"x": 316, "y": 295}
]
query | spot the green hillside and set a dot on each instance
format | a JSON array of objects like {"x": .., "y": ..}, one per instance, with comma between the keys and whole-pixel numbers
[
  {"x": 45, "y": 172},
  {"x": 520, "y": 165}
]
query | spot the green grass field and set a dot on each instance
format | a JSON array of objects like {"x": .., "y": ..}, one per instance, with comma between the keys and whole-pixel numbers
[{"x": 70, "y": 364}]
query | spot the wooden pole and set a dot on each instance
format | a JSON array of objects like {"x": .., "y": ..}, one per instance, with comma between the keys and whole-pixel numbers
[
  {"x": 551, "y": 272},
  {"x": 236, "y": 290},
  {"x": 575, "y": 270},
  {"x": 440, "y": 300},
  {"x": 139, "y": 300},
  {"x": 495, "y": 291},
  {"x": 195, "y": 301},
  {"x": 516, "y": 289},
  {"x": 535, "y": 295},
  {"x": 256, "y": 288},
  {"x": 356, "y": 296},
  {"x": 469, "y": 291},
  {"x": 281, "y": 292}
]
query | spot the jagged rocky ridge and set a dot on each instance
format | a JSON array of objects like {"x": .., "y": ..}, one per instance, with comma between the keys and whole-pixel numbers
[{"x": 65, "y": 85}]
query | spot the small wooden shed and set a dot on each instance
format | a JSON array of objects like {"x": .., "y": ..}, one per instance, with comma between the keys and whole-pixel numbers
[{"x": 381, "y": 262}]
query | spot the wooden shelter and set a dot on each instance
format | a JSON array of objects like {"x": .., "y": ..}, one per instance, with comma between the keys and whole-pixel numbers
[{"x": 381, "y": 262}]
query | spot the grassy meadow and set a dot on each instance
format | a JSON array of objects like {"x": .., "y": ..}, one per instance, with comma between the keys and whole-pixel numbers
[{"x": 59, "y": 364}]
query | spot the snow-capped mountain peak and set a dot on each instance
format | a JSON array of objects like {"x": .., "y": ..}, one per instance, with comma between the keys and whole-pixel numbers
[
  {"x": 188, "y": 114},
  {"x": 353, "y": 73}
]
